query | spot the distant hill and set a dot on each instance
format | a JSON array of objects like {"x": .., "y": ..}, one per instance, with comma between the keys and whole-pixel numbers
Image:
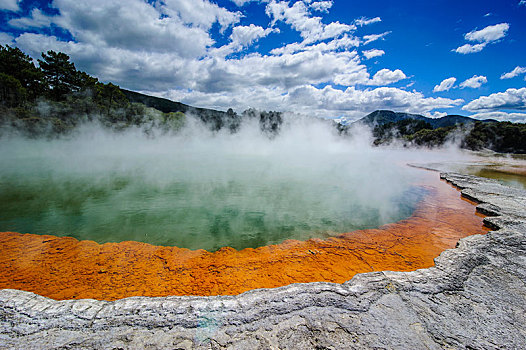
[
  {"x": 417, "y": 130},
  {"x": 382, "y": 117},
  {"x": 269, "y": 122},
  {"x": 216, "y": 120}
]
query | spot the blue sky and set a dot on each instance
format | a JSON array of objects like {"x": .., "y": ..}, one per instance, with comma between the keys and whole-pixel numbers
[{"x": 325, "y": 58}]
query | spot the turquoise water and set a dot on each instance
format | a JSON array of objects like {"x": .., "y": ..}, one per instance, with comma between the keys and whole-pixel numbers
[{"x": 186, "y": 194}]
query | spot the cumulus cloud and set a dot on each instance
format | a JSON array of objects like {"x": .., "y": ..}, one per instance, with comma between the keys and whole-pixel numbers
[
  {"x": 474, "y": 82},
  {"x": 286, "y": 71},
  {"x": 169, "y": 49},
  {"x": 485, "y": 36},
  {"x": 515, "y": 72},
  {"x": 445, "y": 85},
  {"x": 379, "y": 98},
  {"x": 522, "y": 2},
  {"x": 298, "y": 17},
  {"x": 159, "y": 71},
  {"x": 435, "y": 115},
  {"x": 509, "y": 99},
  {"x": 345, "y": 42},
  {"x": 201, "y": 13},
  {"x": 373, "y": 53},
  {"x": 363, "y": 21},
  {"x": 323, "y": 102},
  {"x": 243, "y": 36},
  {"x": 137, "y": 25},
  {"x": 321, "y": 6},
  {"x": 488, "y": 34},
  {"x": 128, "y": 68},
  {"x": 386, "y": 77},
  {"x": 10, "y": 5},
  {"x": 468, "y": 48},
  {"x": 501, "y": 116}
]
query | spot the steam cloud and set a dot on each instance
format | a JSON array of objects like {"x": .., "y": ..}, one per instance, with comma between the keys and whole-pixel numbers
[{"x": 204, "y": 189}]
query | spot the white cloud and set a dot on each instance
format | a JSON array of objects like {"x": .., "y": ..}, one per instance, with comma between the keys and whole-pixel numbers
[
  {"x": 128, "y": 68},
  {"x": 360, "y": 76},
  {"x": 445, "y": 85},
  {"x": 485, "y": 36},
  {"x": 474, "y": 82},
  {"x": 38, "y": 19},
  {"x": 373, "y": 53},
  {"x": 298, "y": 17},
  {"x": 373, "y": 37},
  {"x": 488, "y": 34},
  {"x": 245, "y": 35},
  {"x": 468, "y": 48},
  {"x": 366, "y": 21},
  {"x": 386, "y": 77},
  {"x": 364, "y": 100},
  {"x": 501, "y": 116},
  {"x": 435, "y": 115},
  {"x": 322, "y": 102},
  {"x": 137, "y": 25},
  {"x": 242, "y": 36},
  {"x": 6, "y": 39},
  {"x": 10, "y": 5},
  {"x": 201, "y": 13},
  {"x": 153, "y": 71},
  {"x": 167, "y": 48},
  {"x": 345, "y": 42},
  {"x": 510, "y": 99},
  {"x": 516, "y": 71},
  {"x": 522, "y": 2},
  {"x": 242, "y": 2},
  {"x": 321, "y": 6}
]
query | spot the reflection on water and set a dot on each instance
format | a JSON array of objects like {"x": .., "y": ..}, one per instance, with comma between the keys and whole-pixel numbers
[
  {"x": 508, "y": 169},
  {"x": 510, "y": 179}
]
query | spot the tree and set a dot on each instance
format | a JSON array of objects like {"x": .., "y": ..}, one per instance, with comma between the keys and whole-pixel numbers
[
  {"x": 110, "y": 96},
  {"x": 86, "y": 81},
  {"x": 61, "y": 75},
  {"x": 15, "y": 63},
  {"x": 12, "y": 94}
]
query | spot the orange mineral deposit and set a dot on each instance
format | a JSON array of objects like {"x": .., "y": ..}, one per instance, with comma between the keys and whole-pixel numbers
[{"x": 65, "y": 268}]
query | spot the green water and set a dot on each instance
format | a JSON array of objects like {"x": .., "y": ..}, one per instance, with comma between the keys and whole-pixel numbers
[
  {"x": 513, "y": 180},
  {"x": 200, "y": 199}
]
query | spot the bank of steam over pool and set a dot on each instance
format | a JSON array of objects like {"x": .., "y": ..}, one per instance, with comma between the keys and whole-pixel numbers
[{"x": 199, "y": 189}]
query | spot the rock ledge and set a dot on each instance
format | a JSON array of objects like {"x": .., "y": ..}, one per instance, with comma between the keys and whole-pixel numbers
[{"x": 474, "y": 298}]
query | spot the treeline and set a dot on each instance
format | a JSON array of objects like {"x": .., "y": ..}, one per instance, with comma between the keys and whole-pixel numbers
[
  {"x": 54, "y": 97},
  {"x": 269, "y": 122},
  {"x": 504, "y": 137}
]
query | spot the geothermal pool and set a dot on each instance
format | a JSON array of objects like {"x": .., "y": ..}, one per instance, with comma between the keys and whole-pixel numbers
[
  {"x": 200, "y": 193},
  {"x": 107, "y": 216}
]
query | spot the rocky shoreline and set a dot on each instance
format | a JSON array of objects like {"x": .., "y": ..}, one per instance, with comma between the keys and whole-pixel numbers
[{"x": 473, "y": 298}]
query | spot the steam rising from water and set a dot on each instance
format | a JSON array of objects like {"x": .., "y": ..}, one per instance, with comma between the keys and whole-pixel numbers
[{"x": 199, "y": 189}]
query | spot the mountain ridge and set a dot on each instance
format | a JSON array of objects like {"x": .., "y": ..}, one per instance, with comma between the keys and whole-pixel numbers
[
  {"x": 381, "y": 117},
  {"x": 378, "y": 117}
]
